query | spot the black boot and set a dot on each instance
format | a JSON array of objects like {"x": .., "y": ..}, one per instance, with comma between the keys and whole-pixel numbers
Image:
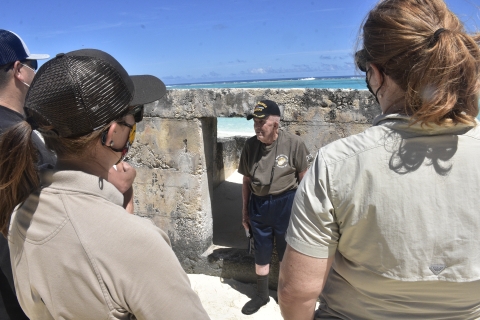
[{"x": 260, "y": 299}]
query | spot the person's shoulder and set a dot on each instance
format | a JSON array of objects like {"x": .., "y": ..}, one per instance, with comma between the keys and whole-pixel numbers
[
  {"x": 370, "y": 139},
  {"x": 8, "y": 118},
  {"x": 116, "y": 226}
]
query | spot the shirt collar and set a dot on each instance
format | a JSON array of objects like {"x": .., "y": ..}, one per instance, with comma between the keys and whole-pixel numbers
[
  {"x": 78, "y": 181},
  {"x": 403, "y": 123}
]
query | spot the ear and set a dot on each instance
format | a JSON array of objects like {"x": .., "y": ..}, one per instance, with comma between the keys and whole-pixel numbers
[
  {"x": 375, "y": 76},
  {"x": 18, "y": 71},
  {"x": 110, "y": 134}
]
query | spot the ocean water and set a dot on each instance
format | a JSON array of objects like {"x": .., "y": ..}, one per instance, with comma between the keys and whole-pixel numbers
[
  {"x": 350, "y": 82},
  {"x": 242, "y": 127},
  {"x": 229, "y": 127}
]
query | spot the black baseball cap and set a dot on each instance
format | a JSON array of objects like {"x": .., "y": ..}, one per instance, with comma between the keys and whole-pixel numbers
[
  {"x": 81, "y": 91},
  {"x": 12, "y": 48},
  {"x": 264, "y": 108}
]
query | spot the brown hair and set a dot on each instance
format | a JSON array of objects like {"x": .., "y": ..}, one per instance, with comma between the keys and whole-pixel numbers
[
  {"x": 18, "y": 174},
  {"x": 18, "y": 163},
  {"x": 425, "y": 49},
  {"x": 78, "y": 147}
]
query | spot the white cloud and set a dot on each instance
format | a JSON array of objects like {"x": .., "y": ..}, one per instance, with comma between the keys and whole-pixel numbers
[{"x": 258, "y": 71}]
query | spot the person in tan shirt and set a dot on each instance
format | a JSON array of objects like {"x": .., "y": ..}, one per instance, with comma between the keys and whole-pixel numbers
[
  {"x": 76, "y": 252},
  {"x": 385, "y": 224}
]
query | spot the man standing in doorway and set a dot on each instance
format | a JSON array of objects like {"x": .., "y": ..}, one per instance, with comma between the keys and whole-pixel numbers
[
  {"x": 17, "y": 69},
  {"x": 272, "y": 164}
]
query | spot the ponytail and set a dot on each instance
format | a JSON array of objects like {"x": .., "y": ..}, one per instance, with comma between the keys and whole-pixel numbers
[
  {"x": 424, "y": 48},
  {"x": 18, "y": 170},
  {"x": 443, "y": 86}
]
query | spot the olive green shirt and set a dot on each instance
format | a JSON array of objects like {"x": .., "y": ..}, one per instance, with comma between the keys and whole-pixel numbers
[{"x": 278, "y": 163}]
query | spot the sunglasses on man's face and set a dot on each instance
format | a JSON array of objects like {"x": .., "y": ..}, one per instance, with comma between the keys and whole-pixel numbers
[
  {"x": 31, "y": 63},
  {"x": 361, "y": 60}
]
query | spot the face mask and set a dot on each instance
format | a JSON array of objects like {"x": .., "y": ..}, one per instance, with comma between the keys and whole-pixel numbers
[
  {"x": 137, "y": 113},
  {"x": 34, "y": 72},
  {"x": 126, "y": 147}
]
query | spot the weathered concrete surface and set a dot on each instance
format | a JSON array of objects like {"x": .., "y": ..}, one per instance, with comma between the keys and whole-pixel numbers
[
  {"x": 174, "y": 181},
  {"x": 177, "y": 163},
  {"x": 319, "y": 115},
  {"x": 227, "y": 157}
]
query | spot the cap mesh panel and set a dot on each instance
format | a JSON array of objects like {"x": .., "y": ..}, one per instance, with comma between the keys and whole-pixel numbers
[{"x": 77, "y": 95}]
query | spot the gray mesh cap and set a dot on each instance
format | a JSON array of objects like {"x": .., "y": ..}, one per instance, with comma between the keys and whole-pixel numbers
[{"x": 81, "y": 91}]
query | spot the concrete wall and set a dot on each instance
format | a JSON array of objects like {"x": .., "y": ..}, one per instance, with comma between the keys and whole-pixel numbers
[
  {"x": 227, "y": 157},
  {"x": 176, "y": 156}
]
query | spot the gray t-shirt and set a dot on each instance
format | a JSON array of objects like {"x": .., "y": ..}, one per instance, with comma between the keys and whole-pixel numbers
[{"x": 274, "y": 169}]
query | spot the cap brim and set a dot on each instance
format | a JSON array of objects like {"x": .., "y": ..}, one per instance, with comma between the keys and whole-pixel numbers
[
  {"x": 38, "y": 56},
  {"x": 147, "y": 89},
  {"x": 253, "y": 115}
]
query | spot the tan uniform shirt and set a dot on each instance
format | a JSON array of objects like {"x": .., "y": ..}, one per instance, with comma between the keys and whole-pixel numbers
[
  {"x": 398, "y": 205},
  {"x": 77, "y": 254}
]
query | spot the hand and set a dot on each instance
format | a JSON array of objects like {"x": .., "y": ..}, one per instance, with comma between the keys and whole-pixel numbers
[
  {"x": 245, "y": 220},
  {"x": 122, "y": 178}
]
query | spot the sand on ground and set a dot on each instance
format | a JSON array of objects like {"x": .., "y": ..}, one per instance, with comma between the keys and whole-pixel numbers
[{"x": 223, "y": 299}]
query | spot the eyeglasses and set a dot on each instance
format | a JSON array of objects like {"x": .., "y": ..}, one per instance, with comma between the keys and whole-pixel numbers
[
  {"x": 137, "y": 113},
  {"x": 258, "y": 183},
  {"x": 33, "y": 64},
  {"x": 131, "y": 136},
  {"x": 361, "y": 60}
]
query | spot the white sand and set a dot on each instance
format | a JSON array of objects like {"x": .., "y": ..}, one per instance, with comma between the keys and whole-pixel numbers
[
  {"x": 223, "y": 299},
  {"x": 235, "y": 177},
  {"x": 231, "y": 134}
]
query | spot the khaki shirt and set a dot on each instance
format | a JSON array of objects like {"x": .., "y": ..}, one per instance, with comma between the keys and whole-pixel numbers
[
  {"x": 77, "y": 254},
  {"x": 278, "y": 163},
  {"x": 398, "y": 205}
]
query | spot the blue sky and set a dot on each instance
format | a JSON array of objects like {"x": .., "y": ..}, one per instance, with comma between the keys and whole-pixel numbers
[{"x": 200, "y": 41}]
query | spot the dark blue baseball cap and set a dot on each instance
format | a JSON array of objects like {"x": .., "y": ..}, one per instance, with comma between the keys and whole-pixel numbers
[
  {"x": 264, "y": 108},
  {"x": 12, "y": 48}
]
